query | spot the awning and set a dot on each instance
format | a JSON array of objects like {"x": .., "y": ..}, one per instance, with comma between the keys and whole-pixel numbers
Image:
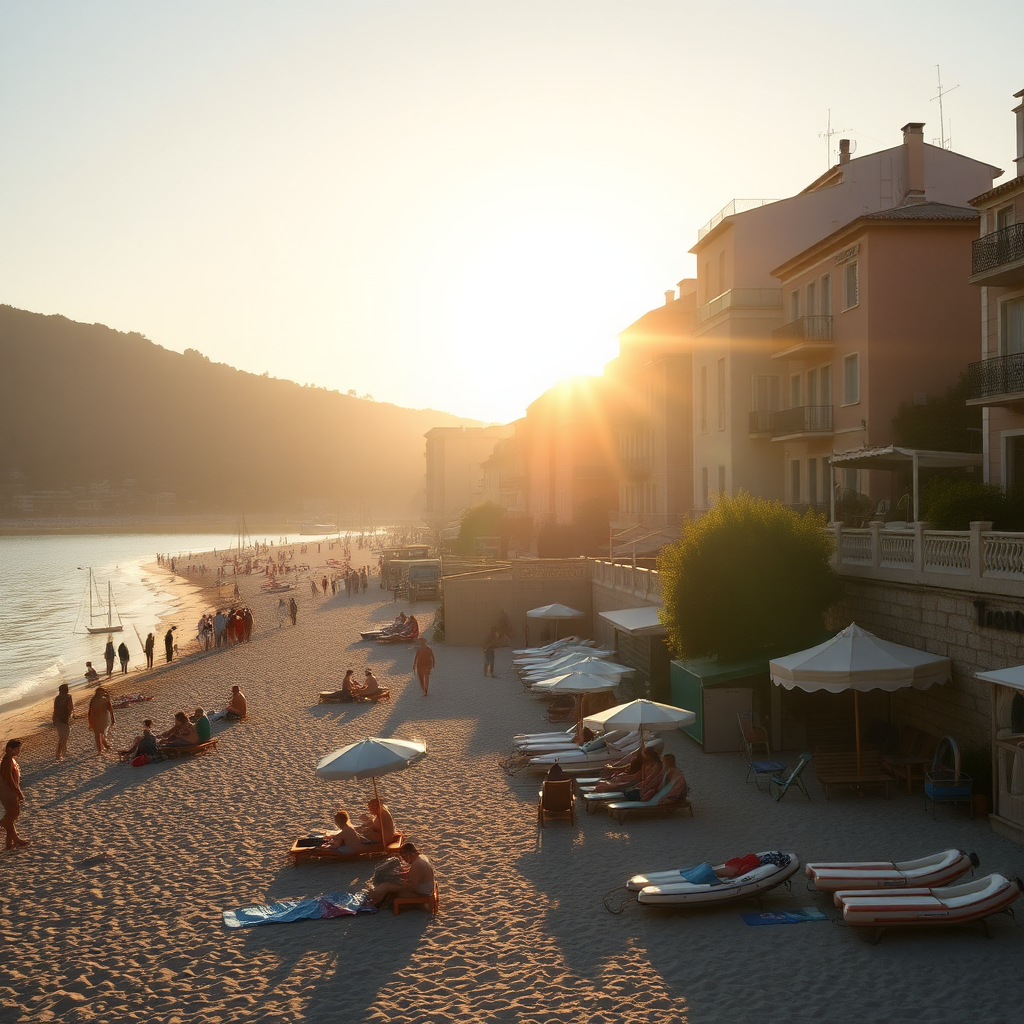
[
  {"x": 1012, "y": 677},
  {"x": 636, "y": 621}
]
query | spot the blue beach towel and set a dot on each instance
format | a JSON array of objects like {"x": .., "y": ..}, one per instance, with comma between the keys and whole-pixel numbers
[
  {"x": 800, "y": 916},
  {"x": 702, "y": 874},
  {"x": 309, "y": 908}
]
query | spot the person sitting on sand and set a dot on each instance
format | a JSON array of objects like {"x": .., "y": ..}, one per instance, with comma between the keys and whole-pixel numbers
[
  {"x": 378, "y": 826},
  {"x": 371, "y": 688},
  {"x": 202, "y": 724},
  {"x": 350, "y": 689},
  {"x": 237, "y": 708},
  {"x": 144, "y": 744},
  {"x": 90, "y": 673},
  {"x": 181, "y": 734},
  {"x": 346, "y": 839},
  {"x": 417, "y": 878}
]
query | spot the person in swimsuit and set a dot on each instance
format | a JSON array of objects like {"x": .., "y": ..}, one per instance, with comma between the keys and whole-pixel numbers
[
  {"x": 423, "y": 664},
  {"x": 346, "y": 839},
  {"x": 181, "y": 734},
  {"x": 63, "y": 711},
  {"x": 417, "y": 878},
  {"x": 237, "y": 707},
  {"x": 378, "y": 826},
  {"x": 90, "y": 673},
  {"x": 101, "y": 718},
  {"x": 371, "y": 688},
  {"x": 144, "y": 744},
  {"x": 12, "y": 796}
]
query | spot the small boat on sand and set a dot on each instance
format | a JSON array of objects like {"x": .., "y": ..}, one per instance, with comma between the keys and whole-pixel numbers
[
  {"x": 704, "y": 887},
  {"x": 925, "y": 872}
]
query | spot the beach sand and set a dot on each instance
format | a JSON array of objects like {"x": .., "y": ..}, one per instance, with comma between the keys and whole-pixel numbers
[{"x": 114, "y": 912}]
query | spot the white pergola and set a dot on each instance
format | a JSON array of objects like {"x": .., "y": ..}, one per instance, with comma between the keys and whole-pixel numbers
[{"x": 897, "y": 460}]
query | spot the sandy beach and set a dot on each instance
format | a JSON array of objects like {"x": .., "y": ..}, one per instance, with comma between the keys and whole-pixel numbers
[{"x": 114, "y": 912}]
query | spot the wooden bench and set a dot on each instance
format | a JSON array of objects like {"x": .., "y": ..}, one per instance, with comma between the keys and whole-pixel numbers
[
  {"x": 914, "y": 758},
  {"x": 399, "y": 903},
  {"x": 839, "y": 768}
]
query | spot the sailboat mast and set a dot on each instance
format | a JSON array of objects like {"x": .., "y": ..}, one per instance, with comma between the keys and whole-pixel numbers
[
  {"x": 110, "y": 606},
  {"x": 90, "y": 596}
]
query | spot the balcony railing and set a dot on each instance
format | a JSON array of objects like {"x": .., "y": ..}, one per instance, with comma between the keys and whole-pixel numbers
[
  {"x": 738, "y": 298},
  {"x": 997, "y": 249},
  {"x": 637, "y": 463},
  {"x": 730, "y": 209},
  {"x": 805, "y": 328},
  {"x": 761, "y": 421},
  {"x": 1003, "y": 375},
  {"x": 805, "y": 419}
]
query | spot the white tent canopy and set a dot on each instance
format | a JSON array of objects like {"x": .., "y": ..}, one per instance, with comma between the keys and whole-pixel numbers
[
  {"x": 555, "y": 611},
  {"x": 636, "y": 621},
  {"x": 1011, "y": 677}
]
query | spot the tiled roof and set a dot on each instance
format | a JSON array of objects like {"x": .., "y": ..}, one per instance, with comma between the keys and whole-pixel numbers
[{"x": 924, "y": 211}]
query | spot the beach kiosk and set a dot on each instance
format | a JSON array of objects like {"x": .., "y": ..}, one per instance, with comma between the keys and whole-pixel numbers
[
  {"x": 717, "y": 692},
  {"x": 640, "y": 643},
  {"x": 1007, "y": 817}
]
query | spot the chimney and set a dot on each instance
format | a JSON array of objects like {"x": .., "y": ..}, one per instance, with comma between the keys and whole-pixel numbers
[
  {"x": 1019, "y": 111},
  {"x": 913, "y": 143},
  {"x": 844, "y": 151},
  {"x": 670, "y": 296}
]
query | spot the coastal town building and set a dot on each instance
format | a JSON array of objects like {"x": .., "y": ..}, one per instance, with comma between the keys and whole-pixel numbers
[
  {"x": 996, "y": 381},
  {"x": 454, "y": 477}
]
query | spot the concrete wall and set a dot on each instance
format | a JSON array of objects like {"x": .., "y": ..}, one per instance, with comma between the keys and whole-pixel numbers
[{"x": 942, "y": 622}]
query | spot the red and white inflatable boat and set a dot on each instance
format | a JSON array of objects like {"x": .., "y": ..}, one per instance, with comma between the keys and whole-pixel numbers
[{"x": 925, "y": 872}]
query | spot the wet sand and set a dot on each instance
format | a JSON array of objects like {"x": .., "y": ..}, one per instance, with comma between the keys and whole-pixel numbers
[{"x": 114, "y": 912}]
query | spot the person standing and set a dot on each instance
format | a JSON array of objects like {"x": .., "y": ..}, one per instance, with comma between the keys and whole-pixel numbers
[
  {"x": 169, "y": 643},
  {"x": 12, "y": 796},
  {"x": 101, "y": 718},
  {"x": 63, "y": 711},
  {"x": 293, "y": 610},
  {"x": 122, "y": 656},
  {"x": 489, "y": 645},
  {"x": 150, "y": 644},
  {"x": 423, "y": 664},
  {"x": 109, "y": 654}
]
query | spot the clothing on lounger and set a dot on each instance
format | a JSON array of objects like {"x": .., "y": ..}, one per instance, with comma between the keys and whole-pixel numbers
[{"x": 776, "y": 857}]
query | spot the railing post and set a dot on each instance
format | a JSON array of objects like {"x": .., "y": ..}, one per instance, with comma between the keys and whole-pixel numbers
[
  {"x": 875, "y": 526},
  {"x": 837, "y": 554},
  {"x": 919, "y": 528},
  {"x": 977, "y": 550}
]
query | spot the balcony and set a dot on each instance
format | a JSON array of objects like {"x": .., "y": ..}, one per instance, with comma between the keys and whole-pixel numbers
[
  {"x": 738, "y": 298},
  {"x": 998, "y": 258},
  {"x": 804, "y": 419},
  {"x": 805, "y": 337},
  {"x": 761, "y": 422},
  {"x": 998, "y": 381},
  {"x": 637, "y": 465},
  {"x": 730, "y": 209}
]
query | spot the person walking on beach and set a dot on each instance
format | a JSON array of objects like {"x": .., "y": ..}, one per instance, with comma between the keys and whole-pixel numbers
[
  {"x": 293, "y": 610},
  {"x": 63, "y": 710},
  {"x": 101, "y": 718},
  {"x": 282, "y": 612},
  {"x": 122, "y": 656},
  {"x": 423, "y": 664},
  {"x": 148, "y": 648},
  {"x": 109, "y": 654},
  {"x": 12, "y": 796},
  {"x": 169, "y": 643}
]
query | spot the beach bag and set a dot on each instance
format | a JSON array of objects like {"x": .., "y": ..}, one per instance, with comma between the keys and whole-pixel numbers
[
  {"x": 139, "y": 761},
  {"x": 389, "y": 870}
]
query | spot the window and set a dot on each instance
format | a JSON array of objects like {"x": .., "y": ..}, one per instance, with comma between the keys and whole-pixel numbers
[
  {"x": 851, "y": 285},
  {"x": 812, "y": 481},
  {"x": 812, "y": 299},
  {"x": 703, "y": 399},
  {"x": 1014, "y": 470},
  {"x": 794, "y": 481},
  {"x": 812, "y": 387},
  {"x": 849, "y": 479},
  {"x": 794, "y": 304},
  {"x": 826, "y": 478},
  {"x": 826, "y": 295},
  {"x": 721, "y": 479},
  {"x": 721, "y": 394},
  {"x": 765, "y": 392},
  {"x": 1004, "y": 218},
  {"x": 1011, "y": 327},
  {"x": 851, "y": 379},
  {"x": 825, "y": 384},
  {"x": 794, "y": 391},
  {"x": 705, "y": 495}
]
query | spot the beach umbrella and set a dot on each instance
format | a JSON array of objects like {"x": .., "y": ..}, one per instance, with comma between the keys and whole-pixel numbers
[
  {"x": 554, "y": 612},
  {"x": 366, "y": 759},
  {"x": 641, "y": 714},
  {"x": 575, "y": 682},
  {"x": 591, "y": 666},
  {"x": 857, "y": 660}
]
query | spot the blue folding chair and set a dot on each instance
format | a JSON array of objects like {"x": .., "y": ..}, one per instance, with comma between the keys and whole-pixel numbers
[{"x": 778, "y": 786}]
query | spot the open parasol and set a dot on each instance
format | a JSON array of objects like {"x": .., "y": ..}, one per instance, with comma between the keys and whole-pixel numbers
[{"x": 366, "y": 759}]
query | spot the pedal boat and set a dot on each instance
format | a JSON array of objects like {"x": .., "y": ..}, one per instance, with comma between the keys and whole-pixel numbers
[
  {"x": 925, "y": 872},
  {"x": 667, "y": 888}
]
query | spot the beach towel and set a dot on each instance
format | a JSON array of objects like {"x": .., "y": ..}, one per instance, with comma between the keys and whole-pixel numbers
[
  {"x": 801, "y": 916},
  {"x": 309, "y": 908}
]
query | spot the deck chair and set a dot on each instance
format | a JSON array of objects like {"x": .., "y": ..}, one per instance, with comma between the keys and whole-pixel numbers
[
  {"x": 556, "y": 799},
  {"x": 755, "y": 738},
  {"x": 778, "y": 786}
]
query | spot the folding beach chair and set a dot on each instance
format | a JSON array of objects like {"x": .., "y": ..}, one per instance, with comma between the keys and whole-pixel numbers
[
  {"x": 557, "y": 799},
  {"x": 778, "y": 786},
  {"x": 755, "y": 739}
]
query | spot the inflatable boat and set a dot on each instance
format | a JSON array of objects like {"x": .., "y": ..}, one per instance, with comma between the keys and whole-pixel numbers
[
  {"x": 951, "y": 904},
  {"x": 670, "y": 888},
  {"x": 925, "y": 872}
]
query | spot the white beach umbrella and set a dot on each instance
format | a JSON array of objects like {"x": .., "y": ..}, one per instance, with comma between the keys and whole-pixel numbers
[
  {"x": 857, "y": 660},
  {"x": 366, "y": 759},
  {"x": 591, "y": 666},
  {"x": 552, "y": 611},
  {"x": 575, "y": 682}
]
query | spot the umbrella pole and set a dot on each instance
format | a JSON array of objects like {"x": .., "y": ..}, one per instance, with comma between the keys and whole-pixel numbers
[
  {"x": 856, "y": 726},
  {"x": 377, "y": 798}
]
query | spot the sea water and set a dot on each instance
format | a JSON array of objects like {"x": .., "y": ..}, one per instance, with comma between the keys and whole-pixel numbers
[{"x": 44, "y": 604}]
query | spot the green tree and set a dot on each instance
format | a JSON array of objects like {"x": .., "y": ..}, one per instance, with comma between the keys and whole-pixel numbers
[
  {"x": 749, "y": 577},
  {"x": 483, "y": 520},
  {"x": 943, "y": 424}
]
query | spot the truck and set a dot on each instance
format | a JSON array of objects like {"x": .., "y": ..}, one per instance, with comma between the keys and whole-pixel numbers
[{"x": 416, "y": 577}]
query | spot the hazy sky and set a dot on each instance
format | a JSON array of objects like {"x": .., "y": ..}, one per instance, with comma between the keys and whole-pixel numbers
[{"x": 447, "y": 204}]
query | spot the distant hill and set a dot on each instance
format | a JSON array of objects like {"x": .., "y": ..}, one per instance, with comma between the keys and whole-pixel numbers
[{"x": 81, "y": 404}]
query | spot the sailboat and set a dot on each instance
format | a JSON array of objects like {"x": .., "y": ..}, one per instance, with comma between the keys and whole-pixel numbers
[{"x": 100, "y": 621}]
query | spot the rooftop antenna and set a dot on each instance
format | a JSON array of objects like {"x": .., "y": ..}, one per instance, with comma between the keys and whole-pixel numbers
[
  {"x": 938, "y": 96},
  {"x": 827, "y": 136}
]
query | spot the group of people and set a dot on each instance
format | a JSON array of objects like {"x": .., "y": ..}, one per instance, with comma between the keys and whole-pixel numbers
[
  {"x": 640, "y": 775},
  {"x": 368, "y": 689},
  {"x": 227, "y": 626},
  {"x": 287, "y": 611}
]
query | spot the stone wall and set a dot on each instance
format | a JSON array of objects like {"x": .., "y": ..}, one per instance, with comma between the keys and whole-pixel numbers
[{"x": 943, "y": 622}]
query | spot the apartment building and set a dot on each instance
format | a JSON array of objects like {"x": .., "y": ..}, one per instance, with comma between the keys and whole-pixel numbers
[
  {"x": 454, "y": 474},
  {"x": 996, "y": 382},
  {"x": 878, "y": 313},
  {"x": 736, "y": 382},
  {"x": 504, "y": 473}
]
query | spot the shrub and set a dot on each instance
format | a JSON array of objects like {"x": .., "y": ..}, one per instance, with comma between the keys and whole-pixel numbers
[
  {"x": 749, "y": 577},
  {"x": 955, "y": 504}
]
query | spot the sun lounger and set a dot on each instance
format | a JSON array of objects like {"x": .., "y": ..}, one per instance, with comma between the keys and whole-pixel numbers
[
  {"x": 657, "y": 803},
  {"x": 610, "y": 752},
  {"x": 936, "y": 869},
  {"x": 309, "y": 848},
  {"x": 196, "y": 748}
]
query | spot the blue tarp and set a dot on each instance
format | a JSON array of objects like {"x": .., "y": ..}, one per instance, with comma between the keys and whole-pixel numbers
[{"x": 309, "y": 908}]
